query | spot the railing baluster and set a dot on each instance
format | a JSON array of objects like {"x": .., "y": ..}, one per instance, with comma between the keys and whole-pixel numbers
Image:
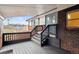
[
  {"x": 4, "y": 37},
  {"x": 7, "y": 37},
  {"x": 12, "y": 36}
]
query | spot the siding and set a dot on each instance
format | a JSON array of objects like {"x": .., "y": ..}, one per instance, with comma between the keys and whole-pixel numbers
[{"x": 42, "y": 20}]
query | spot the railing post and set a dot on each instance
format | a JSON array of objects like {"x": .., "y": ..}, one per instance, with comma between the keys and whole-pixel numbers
[
  {"x": 48, "y": 34},
  {"x": 30, "y": 35},
  {"x": 41, "y": 40},
  {"x": 36, "y": 29},
  {"x": 48, "y": 30},
  {"x": 3, "y": 39}
]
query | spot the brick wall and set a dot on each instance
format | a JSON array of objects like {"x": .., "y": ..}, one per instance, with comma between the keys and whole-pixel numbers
[{"x": 69, "y": 38}]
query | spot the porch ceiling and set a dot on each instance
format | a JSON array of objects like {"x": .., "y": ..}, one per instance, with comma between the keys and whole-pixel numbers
[{"x": 28, "y": 9}]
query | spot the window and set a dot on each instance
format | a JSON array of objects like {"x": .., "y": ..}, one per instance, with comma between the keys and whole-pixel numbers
[
  {"x": 73, "y": 19},
  {"x": 51, "y": 18},
  {"x": 36, "y": 22}
]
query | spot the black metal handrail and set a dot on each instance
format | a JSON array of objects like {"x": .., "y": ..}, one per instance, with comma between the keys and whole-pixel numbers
[
  {"x": 44, "y": 29},
  {"x": 33, "y": 32},
  {"x": 45, "y": 34},
  {"x": 36, "y": 29}
]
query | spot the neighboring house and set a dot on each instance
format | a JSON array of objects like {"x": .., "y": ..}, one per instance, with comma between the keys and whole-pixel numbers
[
  {"x": 50, "y": 18},
  {"x": 14, "y": 28},
  {"x": 35, "y": 21}
]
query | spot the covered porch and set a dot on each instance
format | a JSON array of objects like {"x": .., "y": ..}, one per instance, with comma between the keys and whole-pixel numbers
[{"x": 43, "y": 34}]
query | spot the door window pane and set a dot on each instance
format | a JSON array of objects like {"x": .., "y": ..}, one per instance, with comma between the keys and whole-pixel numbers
[{"x": 51, "y": 18}]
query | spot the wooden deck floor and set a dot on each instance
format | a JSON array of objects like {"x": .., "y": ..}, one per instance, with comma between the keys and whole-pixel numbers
[{"x": 29, "y": 47}]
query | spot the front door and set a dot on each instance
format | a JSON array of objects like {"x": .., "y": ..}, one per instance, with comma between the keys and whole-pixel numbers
[{"x": 51, "y": 20}]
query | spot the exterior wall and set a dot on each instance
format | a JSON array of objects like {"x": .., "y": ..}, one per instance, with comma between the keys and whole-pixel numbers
[
  {"x": 34, "y": 22},
  {"x": 69, "y": 38},
  {"x": 42, "y": 20}
]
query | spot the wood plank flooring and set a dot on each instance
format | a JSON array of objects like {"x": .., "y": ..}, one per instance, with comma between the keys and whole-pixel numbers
[{"x": 29, "y": 47}]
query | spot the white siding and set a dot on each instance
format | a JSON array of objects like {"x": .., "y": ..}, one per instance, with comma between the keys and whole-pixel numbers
[
  {"x": 42, "y": 20},
  {"x": 36, "y": 21}
]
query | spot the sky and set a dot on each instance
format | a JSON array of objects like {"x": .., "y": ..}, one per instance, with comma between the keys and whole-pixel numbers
[{"x": 17, "y": 20}]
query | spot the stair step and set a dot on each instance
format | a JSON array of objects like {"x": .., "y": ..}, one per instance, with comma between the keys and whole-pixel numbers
[
  {"x": 36, "y": 41},
  {"x": 37, "y": 38},
  {"x": 39, "y": 32}
]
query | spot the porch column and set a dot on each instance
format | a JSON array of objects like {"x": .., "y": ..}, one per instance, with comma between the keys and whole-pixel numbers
[{"x": 1, "y": 27}]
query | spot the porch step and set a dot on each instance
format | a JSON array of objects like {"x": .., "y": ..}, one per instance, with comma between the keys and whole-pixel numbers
[
  {"x": 36, "y": 38},
  {"x": 36, "y": 41},
  {"x": 39, "y": 32},
  {"x": 37, "y": 35}
]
